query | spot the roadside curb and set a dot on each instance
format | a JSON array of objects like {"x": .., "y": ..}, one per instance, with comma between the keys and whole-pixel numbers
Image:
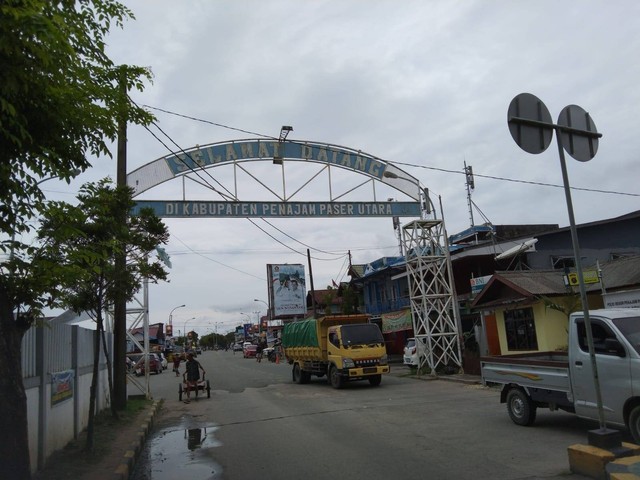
[
  {"x": 458, "y": 378},
  {"x": 123, "y": 471}
]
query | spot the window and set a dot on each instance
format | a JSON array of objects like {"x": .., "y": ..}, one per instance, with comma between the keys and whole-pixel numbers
[
  {"x": 600, "y": 333},
  {"x": 562, "y": 262},
  {"x": 521, "y": 329}
]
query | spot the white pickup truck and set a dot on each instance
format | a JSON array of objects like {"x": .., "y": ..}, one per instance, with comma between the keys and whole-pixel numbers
[{"x": 564, "y": 380}]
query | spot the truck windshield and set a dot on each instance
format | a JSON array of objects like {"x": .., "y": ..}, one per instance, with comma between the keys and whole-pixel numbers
[
  {"x": 630, "y": 328},
  {"x": 361, "y": 334}
]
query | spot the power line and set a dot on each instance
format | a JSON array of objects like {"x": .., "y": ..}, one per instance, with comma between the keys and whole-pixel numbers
[
  {"x": 444, "y": 170},
  {"x": 209, "y": 122},
  {"x": 513, "y": 180},
  {"x": 230, "y": 195},
  {"x": 216, "y": 261}
]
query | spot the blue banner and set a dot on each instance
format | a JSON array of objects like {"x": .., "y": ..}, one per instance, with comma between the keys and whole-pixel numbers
[{"x": 195, "y": 209}]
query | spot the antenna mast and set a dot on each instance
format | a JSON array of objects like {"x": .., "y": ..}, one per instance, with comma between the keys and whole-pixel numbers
[{"x": 468, "y": 172}]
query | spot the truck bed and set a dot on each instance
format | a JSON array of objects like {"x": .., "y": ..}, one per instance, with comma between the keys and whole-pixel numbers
[{"x": 544, "y": 370}]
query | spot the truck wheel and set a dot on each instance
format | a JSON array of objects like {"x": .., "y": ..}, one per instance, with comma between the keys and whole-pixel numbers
[
  {"x": 634, "y": 423},
  {"x": 297, "y": 373},
  {"x": 305, "y": 377},
  {"x": 521, "y": 408},
  {"x": 375, "y": 380},
  {"x": 335, "y": 378}
]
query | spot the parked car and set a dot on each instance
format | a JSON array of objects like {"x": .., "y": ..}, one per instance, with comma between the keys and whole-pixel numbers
[
  {"x": 155, "y": 365},
  {"x": 250, "y": 350},
  {"x": 410, "y": 356}
]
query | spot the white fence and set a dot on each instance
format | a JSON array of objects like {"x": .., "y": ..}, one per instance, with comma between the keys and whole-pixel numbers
[{"x": 57, "y": 366}]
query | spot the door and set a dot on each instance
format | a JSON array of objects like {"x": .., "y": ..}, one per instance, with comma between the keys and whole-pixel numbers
[
  {"x": 491, "y": 329},
  {"x": 614, "y": 372}
]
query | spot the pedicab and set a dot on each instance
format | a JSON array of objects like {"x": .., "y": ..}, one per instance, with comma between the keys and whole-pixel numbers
[{"x": 201, "y": 385}]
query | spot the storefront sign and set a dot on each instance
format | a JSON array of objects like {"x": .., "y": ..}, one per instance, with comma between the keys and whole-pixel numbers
[{"x": 626, "y": 299}]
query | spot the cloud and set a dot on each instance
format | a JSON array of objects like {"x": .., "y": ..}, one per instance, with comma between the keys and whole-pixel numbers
[{"x": 423, "y": 84}]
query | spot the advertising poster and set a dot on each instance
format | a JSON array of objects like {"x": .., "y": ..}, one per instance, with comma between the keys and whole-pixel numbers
[
  {"x": 61, "y": 386},
  {"x": 287, "y": 289}
]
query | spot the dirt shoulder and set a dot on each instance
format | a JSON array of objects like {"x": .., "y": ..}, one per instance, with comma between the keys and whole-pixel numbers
[{"x": 113, "y": 438}]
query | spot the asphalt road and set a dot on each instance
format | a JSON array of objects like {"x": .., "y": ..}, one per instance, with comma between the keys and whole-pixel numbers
[{"x": 258, "y": 424}]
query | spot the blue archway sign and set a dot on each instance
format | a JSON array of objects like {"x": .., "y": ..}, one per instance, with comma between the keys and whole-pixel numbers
[{"x": 199, "y": 158}]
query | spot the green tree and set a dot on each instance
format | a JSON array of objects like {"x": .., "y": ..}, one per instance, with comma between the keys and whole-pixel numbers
[
  {"x": 84, "y": 240},
  {"x": 350, "y": 301},
  {"x": 59, "y": 104}
]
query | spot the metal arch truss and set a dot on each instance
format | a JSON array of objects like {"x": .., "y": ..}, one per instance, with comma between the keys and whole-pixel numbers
[
  {"x": 432, "y": 296},
  {"x": 193, "y": 166}
]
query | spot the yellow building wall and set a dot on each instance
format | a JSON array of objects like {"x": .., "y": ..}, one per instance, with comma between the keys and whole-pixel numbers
[{"x": 551, "y": 329}]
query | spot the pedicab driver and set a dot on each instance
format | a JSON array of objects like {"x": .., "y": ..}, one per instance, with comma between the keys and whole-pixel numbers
[{"x": 192, "y": 374}]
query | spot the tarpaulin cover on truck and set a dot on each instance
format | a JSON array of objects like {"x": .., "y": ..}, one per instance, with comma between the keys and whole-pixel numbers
[{"x": 300, "y": 334}]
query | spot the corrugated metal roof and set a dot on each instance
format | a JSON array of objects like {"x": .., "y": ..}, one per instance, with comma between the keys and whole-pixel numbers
[
  {"x": 623, "y": 272},
  {"x": 357, "y": 271},
  {"x": 536, "y": 282},
  {"x": 617, "y": 274}
]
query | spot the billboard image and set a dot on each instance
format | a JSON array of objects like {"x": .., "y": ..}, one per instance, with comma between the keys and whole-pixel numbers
[{"x": 287, "y": 289}]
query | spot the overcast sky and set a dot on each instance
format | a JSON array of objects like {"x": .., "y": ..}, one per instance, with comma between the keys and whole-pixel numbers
[{"x": 422, "y": 84}]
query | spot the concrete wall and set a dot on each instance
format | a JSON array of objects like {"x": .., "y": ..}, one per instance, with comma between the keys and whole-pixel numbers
[{"x": 51, "y": 349}]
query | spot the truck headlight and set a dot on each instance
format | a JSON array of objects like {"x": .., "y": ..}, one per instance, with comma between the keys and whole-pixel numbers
[
  {"x": 348, "y": 363},
  {"x": 384, "y": 359}
]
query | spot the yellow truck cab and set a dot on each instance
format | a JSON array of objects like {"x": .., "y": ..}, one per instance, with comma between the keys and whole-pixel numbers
[{"x": 343, "y": 347}]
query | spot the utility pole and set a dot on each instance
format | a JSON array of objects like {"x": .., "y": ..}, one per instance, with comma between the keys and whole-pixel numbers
[
  {"x": 313, "y": 292},
  {"x": 120, "y": 305}
]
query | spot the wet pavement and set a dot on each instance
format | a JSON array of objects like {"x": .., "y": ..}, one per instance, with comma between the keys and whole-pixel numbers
[
  {"x": 179, "y": 452},
  {"x": 258, "y": 421}
]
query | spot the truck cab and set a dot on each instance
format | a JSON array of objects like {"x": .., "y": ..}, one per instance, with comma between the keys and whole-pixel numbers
[{"x": 616, "y": 344}]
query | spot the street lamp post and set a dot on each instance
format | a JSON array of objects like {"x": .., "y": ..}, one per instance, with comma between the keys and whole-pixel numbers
[
  {"x": 171, "y": 317},
  {"x": 268, "y": 310},
  {"x": 422, "y": 193}
]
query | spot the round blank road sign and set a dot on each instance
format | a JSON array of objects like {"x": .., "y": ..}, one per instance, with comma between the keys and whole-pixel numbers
[
  {"x": 526, "y": 117},
  {"x": 580, "y": 142}
]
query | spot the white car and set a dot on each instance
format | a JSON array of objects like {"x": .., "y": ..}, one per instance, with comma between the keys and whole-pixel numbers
[{"x": 410, "y": 356}]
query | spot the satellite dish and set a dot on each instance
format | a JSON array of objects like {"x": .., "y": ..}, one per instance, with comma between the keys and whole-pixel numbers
[{"x": 513, "y": 251}]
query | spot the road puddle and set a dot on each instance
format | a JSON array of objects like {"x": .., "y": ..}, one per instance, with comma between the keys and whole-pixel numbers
[{"x": 181, "y": 453}]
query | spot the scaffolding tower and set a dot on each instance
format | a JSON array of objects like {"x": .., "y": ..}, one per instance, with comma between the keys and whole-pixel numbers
[{"x": 433, "y": 302}]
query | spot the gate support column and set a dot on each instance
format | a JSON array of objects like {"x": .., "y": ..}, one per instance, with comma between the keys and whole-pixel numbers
[{"x": 433, "y": 302}]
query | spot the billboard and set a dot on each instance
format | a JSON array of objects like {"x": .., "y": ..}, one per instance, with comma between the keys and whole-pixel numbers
[{"x": 287, "y": 293}]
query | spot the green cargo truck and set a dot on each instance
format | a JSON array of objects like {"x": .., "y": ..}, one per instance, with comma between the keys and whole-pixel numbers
[{"x": 343, "y": 347}]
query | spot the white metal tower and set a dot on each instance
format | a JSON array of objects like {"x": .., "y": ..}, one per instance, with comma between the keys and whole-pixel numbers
[{"x": 433, "y": 301}]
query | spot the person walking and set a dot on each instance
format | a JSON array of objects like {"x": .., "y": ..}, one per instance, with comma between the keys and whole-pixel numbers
[
  {"x": 192, "y": 375},
  {"x": 176, "y": 364},
  {"x": 259, "y": 349}
]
